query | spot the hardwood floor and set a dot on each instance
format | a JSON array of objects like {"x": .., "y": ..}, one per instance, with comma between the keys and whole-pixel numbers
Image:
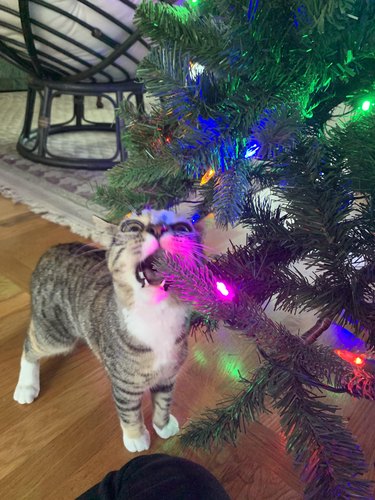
[{"x": 69, "y": 438}]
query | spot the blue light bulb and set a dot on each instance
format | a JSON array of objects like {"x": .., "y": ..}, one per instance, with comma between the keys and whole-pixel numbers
[
  {"x": 195, "y": 218},
  {"x": 252, "y": 149}
]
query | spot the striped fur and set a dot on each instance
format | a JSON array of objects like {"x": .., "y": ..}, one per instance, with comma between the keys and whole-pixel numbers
[{"x": 138, "y": 332}]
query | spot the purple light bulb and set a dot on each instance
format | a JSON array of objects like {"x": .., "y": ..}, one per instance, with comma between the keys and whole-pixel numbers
[{"x": 224, "y": 290}]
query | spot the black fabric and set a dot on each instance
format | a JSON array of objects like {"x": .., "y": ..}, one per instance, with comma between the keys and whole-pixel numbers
[{"x": 158, "y": 477}]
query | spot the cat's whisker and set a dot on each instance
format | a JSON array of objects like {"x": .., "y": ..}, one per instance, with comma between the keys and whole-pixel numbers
[
  {"x": 100, "y": 263},
  {"x": 203, "y": 247},
  {"x": 200, "y": 256},
  {"x": 207, "y": 248},
  {"x": 97, "y": 266},
  {"x": 90, "y": 246},
  {"x": 79, "y": 250},
  {"x": 88, "y": 252}
]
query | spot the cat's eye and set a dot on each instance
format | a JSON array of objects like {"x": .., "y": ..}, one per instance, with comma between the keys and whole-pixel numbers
[
  {"x": 182, "y": 227},
  {"x": 132, "y": 226}
]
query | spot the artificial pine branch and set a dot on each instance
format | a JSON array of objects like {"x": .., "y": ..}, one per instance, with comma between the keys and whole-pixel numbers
[
  {"x": 361, "y": 384},
  {"x": 316, "y": 331},
  {"x": 313, "y": 432},
  {"x": 332, "y": 234},
  {"x": 165, "y": 70},
  {"x": 354, "y": 145},
  {"x": 245, "y": 314},
  {"x": 202, "y": 323},
  {"x": 320, "y": 364},
  {"x": 309, "y": 423},
  {"x": 168, "y": 24},
  {"x": 223, "y": 423},
  {"x": 277, "y": 130},
  {"x": 231, "y": 190},
  {"x": 129, "y": 176},
  {"x": 147, "y": 135},
  {"x": 334, "y": 12},
  {"x": 159, "y": 191}
]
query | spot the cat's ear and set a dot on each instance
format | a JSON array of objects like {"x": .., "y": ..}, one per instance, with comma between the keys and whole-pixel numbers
[{"x": 105, "y": 229}]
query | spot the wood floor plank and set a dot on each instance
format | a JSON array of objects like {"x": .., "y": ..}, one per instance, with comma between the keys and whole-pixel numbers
[
  {"x": 14, "y": 303},
  {"x": 9, "y": 210}
]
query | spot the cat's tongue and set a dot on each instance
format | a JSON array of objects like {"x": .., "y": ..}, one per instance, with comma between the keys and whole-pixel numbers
[{"x": 149, "y": 269}]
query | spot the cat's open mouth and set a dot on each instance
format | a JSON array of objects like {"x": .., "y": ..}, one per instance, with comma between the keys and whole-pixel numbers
[{"x": 146, "y": 272}]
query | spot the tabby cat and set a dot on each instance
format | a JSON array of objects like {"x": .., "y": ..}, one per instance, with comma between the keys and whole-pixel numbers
[{"x": 115, "y": 301}]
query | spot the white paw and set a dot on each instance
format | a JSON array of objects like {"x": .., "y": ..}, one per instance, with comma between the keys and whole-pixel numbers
[
  {"x": 168, "y": 430},
  {"x": 137, "y": 444},
  {"x": 25, "y": 393}
]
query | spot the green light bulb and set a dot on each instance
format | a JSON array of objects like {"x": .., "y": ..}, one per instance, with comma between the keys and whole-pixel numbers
[
  {"x": 231, "y": 365},
  {"x": 200, "y": 358},
  {"x": 366, "y": 105}
]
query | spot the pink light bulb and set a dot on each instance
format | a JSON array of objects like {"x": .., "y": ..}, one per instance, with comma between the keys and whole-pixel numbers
[{"x": 223, "y": 289}]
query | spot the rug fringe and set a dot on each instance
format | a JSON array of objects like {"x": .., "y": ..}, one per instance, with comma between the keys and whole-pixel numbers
[{"x": 79, "y": 225}]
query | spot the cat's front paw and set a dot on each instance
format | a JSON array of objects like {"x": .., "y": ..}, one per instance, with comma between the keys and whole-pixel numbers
[
  {"x": 25, "y": 393},
  {"x": 140, "y": 443},
  {"x": 168, "y": 430}
]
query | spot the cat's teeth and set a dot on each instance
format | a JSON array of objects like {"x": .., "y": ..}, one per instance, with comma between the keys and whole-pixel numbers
[{"x": 143, "y": 278}]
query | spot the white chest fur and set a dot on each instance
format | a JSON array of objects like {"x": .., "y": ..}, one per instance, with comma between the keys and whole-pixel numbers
[{"x": 156, "y": 321}]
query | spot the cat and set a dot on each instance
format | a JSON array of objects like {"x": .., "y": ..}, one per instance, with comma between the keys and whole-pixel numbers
[{"x": 115, "y": 301}]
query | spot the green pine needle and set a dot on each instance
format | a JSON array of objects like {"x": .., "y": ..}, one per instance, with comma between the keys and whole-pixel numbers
[
  {"x": 229, "y": 418},
  {"x": 317, "y": 437}
]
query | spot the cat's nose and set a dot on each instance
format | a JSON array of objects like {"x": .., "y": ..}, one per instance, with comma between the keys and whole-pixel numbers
[{"x": 157, "y": 230}]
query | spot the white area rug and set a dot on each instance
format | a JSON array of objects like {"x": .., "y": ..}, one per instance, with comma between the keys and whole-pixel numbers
[{"x": 60, "y": 195}]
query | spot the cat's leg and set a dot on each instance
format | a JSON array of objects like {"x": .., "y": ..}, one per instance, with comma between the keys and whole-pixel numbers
[
  {"x": 128, "y": 402},
  {"x": 28, "y": 385},
  {"x": 34, "y": 349},
  {"x": 164, "y": 423}
]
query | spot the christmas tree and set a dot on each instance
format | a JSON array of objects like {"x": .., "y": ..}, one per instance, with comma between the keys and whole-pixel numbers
[{"x": 255, "y": 94}]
